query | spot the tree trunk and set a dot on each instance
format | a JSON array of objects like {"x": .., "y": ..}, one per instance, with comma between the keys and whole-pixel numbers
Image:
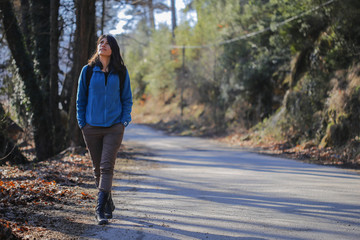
[
  {"x": 65, "y": 96},
  {"x": 59, "y": 139},
  {"x": 40, "y": 17},
  {"x": 85, "y": 38},
  {"x": 173, "y": 18},
  {"x": 103, "y": 17},
  {"x": 46, "y": 38},
  {"x": 54, "y": 59},
  {"x": 151, "y": 14},
  {"x": 26, "y": 24},
  {"x": 24, "y": 63}
]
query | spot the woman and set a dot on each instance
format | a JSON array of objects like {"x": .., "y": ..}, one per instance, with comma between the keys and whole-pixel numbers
[{"x": 103, "y": 104}]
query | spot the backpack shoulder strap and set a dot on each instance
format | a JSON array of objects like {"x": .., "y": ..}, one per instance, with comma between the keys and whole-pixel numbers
[
  {"x": 122, "y": 76},
  {"x": 89, "y": 72}
]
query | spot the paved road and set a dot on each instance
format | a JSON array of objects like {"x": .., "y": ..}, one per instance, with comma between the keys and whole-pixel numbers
[{"x": 192, "y": 188}]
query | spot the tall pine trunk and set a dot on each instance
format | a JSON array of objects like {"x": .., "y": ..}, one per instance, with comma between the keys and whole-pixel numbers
[
  {"x": 173, "y": 18},
  {"x": 151, "y": 14},
  {"x": 103, "y": 13},
  {"x": 26, "y": 23},
  {"x": 59, "y": 139},
  {"x": 85, "y": 41},
  {"x": 40, "y": 22}
]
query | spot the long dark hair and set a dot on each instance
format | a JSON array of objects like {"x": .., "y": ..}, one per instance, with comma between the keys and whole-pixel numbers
[{"x": 116, "y": 62}]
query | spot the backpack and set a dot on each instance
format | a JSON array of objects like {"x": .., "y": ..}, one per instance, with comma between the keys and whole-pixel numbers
[{"x": 89, "y": 72}]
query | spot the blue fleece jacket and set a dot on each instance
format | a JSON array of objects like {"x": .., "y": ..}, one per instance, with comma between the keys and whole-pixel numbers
[{"x": 104, "y": 105}]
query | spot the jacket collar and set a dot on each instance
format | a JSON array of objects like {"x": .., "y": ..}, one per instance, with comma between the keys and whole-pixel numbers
[{"x": 98, "y": 69}]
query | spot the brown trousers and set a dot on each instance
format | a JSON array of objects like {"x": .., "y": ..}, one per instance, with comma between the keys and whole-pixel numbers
[{"x": 103, "y": 144}]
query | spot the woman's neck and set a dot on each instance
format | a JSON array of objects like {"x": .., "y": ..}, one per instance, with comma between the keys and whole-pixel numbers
[{"x": 105, "y": 63}]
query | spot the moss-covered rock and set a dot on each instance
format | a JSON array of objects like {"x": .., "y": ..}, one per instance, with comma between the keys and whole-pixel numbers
[{"x": 337, "y": 134}]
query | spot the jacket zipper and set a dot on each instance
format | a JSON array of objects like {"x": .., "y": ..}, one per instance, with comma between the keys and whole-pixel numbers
[{"x": 105, "y": 97}]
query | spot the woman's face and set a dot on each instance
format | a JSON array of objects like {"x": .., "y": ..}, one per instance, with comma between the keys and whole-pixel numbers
[{"x": 104, "y": 48}]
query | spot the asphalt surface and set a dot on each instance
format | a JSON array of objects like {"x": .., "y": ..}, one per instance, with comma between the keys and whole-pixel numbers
[{"x": 192, "y": 188}]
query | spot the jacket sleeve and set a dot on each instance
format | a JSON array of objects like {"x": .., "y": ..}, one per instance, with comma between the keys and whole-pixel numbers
[
  {"x": 126, "y": 101},
  {"x": 81, "y": 99}
]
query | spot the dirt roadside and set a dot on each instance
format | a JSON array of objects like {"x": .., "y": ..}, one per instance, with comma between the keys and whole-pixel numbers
[{"x": 54, "y": 199}]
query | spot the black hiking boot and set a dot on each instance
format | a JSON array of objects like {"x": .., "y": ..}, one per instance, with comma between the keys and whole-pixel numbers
[
  {"x": 109, "y": 207},
  {"x": 100, "y": 208}
]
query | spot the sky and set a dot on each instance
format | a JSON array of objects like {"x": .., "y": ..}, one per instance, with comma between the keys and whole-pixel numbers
[{"x": 164, "y": 17}]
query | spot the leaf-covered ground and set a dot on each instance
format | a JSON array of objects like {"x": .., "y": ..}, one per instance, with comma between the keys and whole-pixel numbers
[{"x": 53, "y": 199}]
